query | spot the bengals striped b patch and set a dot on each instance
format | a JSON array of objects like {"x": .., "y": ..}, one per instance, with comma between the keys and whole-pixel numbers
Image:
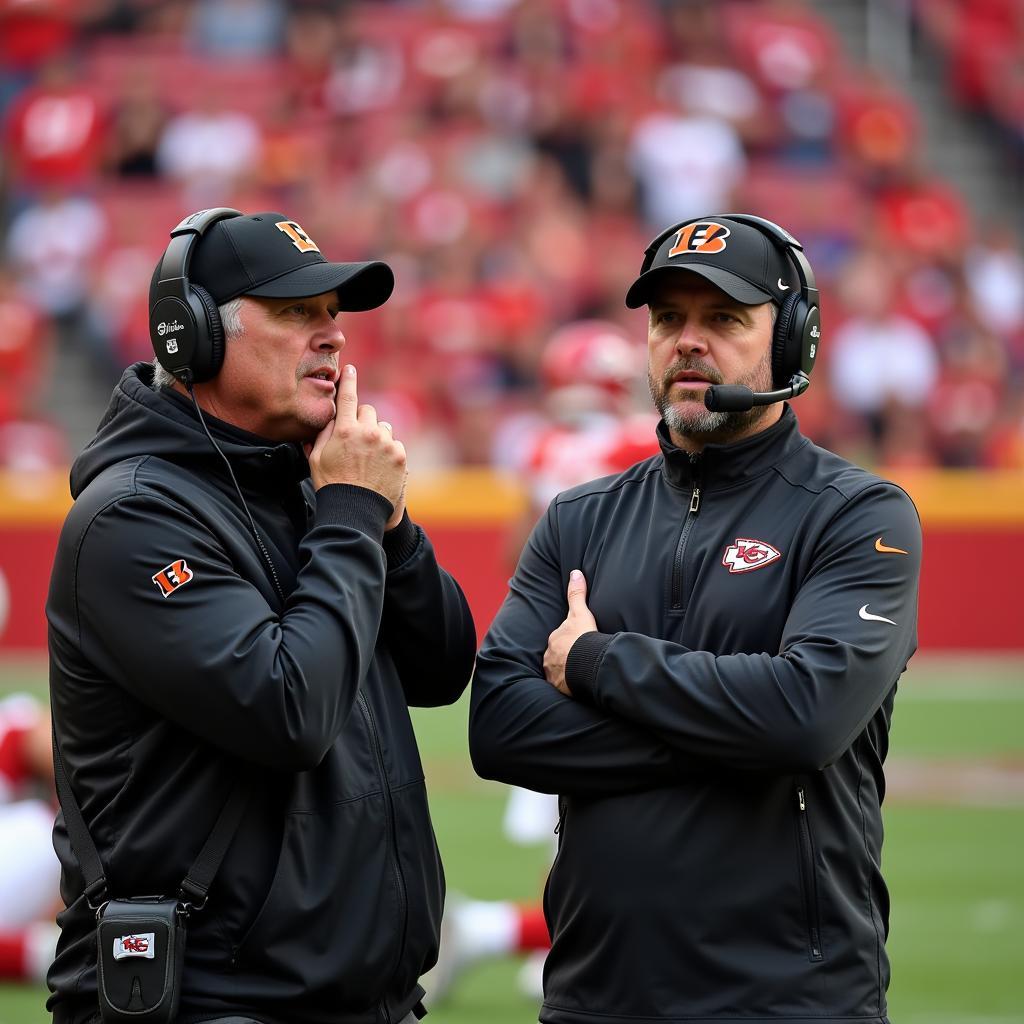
[{"x": 172, "y": 576}]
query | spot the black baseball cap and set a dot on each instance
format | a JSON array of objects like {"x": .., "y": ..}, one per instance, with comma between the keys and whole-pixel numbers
[
  {"x": 738, "y": 258},
  {"x": 270, "y": 255}
]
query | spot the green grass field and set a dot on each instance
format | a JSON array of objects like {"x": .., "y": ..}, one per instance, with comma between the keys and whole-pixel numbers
[{"x": 953, "y": 853}]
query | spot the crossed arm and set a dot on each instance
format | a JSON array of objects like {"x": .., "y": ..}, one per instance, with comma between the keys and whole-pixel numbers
[{"x": 683, "y": 710}]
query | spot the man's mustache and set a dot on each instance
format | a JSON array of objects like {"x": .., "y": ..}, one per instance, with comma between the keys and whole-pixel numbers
[
  {"x": 330, "y": 365},
  {"x": 690, "y": 366}
]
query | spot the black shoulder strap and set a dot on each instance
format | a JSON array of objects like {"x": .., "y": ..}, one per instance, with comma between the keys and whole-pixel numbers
[
  {"x": 81, "y": 841},
  {"x": 194, "y": 886},
  {"x": 196, "y": 883}
]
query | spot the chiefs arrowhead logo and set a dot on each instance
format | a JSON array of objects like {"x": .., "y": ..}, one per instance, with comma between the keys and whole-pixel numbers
[
  {"x": 705, "y": 236},
  {"x": 172, "y": 576},
  {"x": 745, "y": 554},
  {"x": 141, "y": 944}
]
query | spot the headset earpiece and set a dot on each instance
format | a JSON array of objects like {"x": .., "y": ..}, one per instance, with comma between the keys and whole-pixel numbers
[
  {"x": 798, "y": 326},
  {"x": 184, "y": 326},
  {"x": 795, "y": 344},
  {"x": 213, "y": 351},
  {"x": 785, "y": 342}
]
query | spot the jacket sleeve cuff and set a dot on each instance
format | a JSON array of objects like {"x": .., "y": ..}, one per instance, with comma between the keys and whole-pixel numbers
[
  {"x": 583, "y": 662},
  {"x": 401, "y": 542},
  {"x": 358, "y": 507}
]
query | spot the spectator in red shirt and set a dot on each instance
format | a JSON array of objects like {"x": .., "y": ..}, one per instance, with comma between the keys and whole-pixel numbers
[
  {"x": 967, "y": 398},
  {"x": 878, "y": 126},
  {"x": 31, "y": 33},
  {"x": 923, "y": 215},
  {"x": 54, "y": 132},
  {"x": 785, "y": 43},
  {"x": 24, "y": 344}
]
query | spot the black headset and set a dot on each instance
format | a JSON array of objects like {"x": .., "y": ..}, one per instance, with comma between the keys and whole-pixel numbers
[
  {"x": 188, "y": 337},
  {"x": 184, "y": 325},
  {"x": 797, "y": 333}
]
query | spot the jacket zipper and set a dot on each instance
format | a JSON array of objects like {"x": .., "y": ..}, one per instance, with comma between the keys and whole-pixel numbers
[
  {"x": 808, "y": 877},
  {"x": 560, "y": 824},
  {"x": 396, "y": 867},
  {"x": 677, "y": 563}
]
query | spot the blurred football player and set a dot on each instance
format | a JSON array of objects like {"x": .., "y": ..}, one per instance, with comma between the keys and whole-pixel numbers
[
  {"x": 29, "y": 870},
  {"x": 588, "y": 428}
]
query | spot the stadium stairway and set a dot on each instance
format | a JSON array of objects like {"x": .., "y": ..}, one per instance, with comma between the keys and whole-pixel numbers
[
  {"x": 958, "y": 147},
  {"x": 77, "y": 409}
]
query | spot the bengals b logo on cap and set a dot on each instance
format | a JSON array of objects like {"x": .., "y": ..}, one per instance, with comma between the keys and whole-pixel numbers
[
  {"x": 299, "y": 238},
  {"x": 706, "y": 236}
]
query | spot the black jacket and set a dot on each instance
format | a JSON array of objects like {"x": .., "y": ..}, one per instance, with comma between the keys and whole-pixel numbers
[
  {"x": 720, "y": 761},
  {"x": 168, "y": 681}
]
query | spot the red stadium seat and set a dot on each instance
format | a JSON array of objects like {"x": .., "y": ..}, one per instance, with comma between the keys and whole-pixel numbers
[
  {"x": 807, "y": 201},
  {"x": 184, "y": 79}
]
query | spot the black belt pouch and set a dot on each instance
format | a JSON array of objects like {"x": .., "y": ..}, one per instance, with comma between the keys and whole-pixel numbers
[{"x": 139, "y": 958}]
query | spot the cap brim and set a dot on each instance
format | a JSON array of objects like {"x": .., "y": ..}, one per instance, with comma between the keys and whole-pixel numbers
[
  {"x": 360, "y": 286},
  {"x": 734, "y": 286}
]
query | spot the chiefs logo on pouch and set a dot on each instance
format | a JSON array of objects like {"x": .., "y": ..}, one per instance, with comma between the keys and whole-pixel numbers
[
  {"x": 705, "y": 236},
  {"x": 141, "y": 944},
  {"x": 746, "y": 554},
  {"x": 172, "y": 576}
]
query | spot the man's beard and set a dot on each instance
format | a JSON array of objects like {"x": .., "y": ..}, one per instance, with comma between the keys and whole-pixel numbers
[{"x": 687, "y": 415}]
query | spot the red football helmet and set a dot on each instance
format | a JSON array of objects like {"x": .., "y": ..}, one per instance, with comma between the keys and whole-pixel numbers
[{"x": 591, "y": 354}]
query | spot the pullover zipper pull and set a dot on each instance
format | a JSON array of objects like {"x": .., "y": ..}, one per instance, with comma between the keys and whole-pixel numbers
[{"x": 695, "y": 501}]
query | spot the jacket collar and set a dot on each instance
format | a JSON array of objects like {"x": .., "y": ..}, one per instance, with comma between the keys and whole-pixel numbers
[
  {"x": 250, "y": 453},
  {"x": 721, "y": 465}
]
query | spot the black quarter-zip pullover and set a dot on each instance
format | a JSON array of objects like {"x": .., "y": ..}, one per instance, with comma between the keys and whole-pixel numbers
[
  {"x": 179, "y": 662},
  {"x": 720, "y": 760}
]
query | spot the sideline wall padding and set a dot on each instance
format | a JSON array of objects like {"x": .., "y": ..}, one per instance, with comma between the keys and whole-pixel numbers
[{"x": 973, "y": 559}]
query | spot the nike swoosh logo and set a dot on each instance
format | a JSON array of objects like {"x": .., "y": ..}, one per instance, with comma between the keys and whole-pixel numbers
[
  {"x": 885, "y": 549},
  {"x": 868, "y": 617},
  {"x": 783, "y": 287}
]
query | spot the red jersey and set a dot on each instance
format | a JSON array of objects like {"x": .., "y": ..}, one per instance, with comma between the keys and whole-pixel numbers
[
  {"x": 561, "y": 456},
  {"x": 55, "y": 136},
  {"x": 19, "y": 715}
]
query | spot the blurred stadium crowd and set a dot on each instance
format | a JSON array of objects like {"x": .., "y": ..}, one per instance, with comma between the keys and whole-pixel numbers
[{"x": 511, "y": 159}]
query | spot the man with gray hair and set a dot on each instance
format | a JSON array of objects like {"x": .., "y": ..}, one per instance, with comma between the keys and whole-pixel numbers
[{"x": 241, "y": 613}]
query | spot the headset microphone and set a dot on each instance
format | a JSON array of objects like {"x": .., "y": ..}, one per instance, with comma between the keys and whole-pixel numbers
[{"x": 738, "y": 398}]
